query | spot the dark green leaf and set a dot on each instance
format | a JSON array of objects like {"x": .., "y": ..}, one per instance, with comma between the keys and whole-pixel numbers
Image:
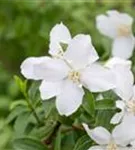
[{"x": 89, "y": 103}]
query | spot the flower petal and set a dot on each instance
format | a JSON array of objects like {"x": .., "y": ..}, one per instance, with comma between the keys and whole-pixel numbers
[
  {"x": 97, "y": 78},
  {"x": 123, "y": 47},
  {"x": 120, "y": 104},
  {"x": 44, "y": 68},
  {"x": 124, "y": 133},
  {"x": 50, "y": 89},
  {"x": 117, "y": 118},
  {"x": 99, "y": 134},
  {"x": 123, "y": 77},
  {"x": 59, "y": 34},
  {"x": 70, "y": 98},
  {"x": 80, "y": 51},
  {"x": 105, "y": 26},
  {"x": 28, "y": 67},
  {"x": 115, "y": 61},
  {"x": 97, "y": 148},
  {"x": 133, "y": 143}
]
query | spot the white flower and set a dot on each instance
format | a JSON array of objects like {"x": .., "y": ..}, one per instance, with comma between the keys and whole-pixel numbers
[
  {"x": 64, "y": 77},
  {"x": 124, "y": 88},
  {"x": 118, "y": 140},
  {"x": 118, "y": 26}
]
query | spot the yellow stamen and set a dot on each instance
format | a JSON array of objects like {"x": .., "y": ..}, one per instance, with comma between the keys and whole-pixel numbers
[
  {"x": 112, "y": 146},
  {"x": 74, "y": 76},
  {"x": 124, "y": 30},
  {"x": 131, "y": 106}
]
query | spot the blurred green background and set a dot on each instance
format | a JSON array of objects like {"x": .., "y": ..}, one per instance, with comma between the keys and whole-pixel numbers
[{"x": 24, "y": 31}]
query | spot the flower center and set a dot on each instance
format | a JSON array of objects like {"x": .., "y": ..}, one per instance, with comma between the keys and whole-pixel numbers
[
  {"x": 74, "y": 76},
  {"x": 112, "y": 146},
  {"x": 124, "y": 30},
  {"x": 131, "y": 106}
]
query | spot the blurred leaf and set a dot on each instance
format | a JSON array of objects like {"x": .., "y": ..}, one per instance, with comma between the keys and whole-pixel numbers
[
  {"x": 57, "y": 145},
  {"x": 34, "y": 91},
  {"x": 21, "y": 123},
  {"x": 45, "y": 131},
  {"x": 18, "y": 102},
  {"x": 16, "y": 112},
  {"x": 22, "y": 84},
  {"x": 28, "y": 144}
]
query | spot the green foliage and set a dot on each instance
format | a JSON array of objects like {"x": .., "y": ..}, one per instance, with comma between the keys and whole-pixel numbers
[{"x": 28, "y": 144}]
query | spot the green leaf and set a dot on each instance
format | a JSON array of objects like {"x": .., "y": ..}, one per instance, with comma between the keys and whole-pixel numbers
[
  {"x": 16, "y": 112},
  {"x": 28, "y": 144},
  {"x": 57, "y": 145},
  {"x": 103, "y": 118},
  {"x": 21, "y": 123},
  {"x": 83, "y": 143},
  {"x": 89, "y": 103},
  {"x": 105, "y": 104},
  {"x": 34, "y": 91},
  {"x": 45, "y": 131},
  {"x": 22, "y": 84},
  {"x": 18, "y": 102}
]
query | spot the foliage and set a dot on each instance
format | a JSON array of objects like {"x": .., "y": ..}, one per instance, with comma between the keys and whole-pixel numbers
[{"x": 27, "y": 123}]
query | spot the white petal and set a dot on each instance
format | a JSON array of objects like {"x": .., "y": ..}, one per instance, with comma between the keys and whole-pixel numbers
[
  {"x": 86, "y": 127},
  {"x": 99, "y": 97},
  {"x": 97, "y": 78},
  {"x": 125, "y": 132},
  {"x": 29, "y": 64},
  {"x": 50, "y": 89},
  {"x": 100, "y": 135},
  {"x": 120, "y": 104},
  {"x": 59, "y": 34},
  {"x": 134, "y": 92},
  {"x": 106, "y": 26},
  {"x": 80, "y": 51},
  {"x": 124, "y": 82},
  {"x": 70, "y": 98},
  {"x": 133, "y": 143},
  {"x": 117, "y": 118},
  {"x": 115, "y": 61},
  {"x": 44, "y": 68},
  {"x": 97, "y": 148},
  {"x": 123, "y": 47}
]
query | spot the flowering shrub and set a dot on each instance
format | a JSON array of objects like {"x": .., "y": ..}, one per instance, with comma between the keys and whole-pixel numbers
[{"x": 76, "y": 98}]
